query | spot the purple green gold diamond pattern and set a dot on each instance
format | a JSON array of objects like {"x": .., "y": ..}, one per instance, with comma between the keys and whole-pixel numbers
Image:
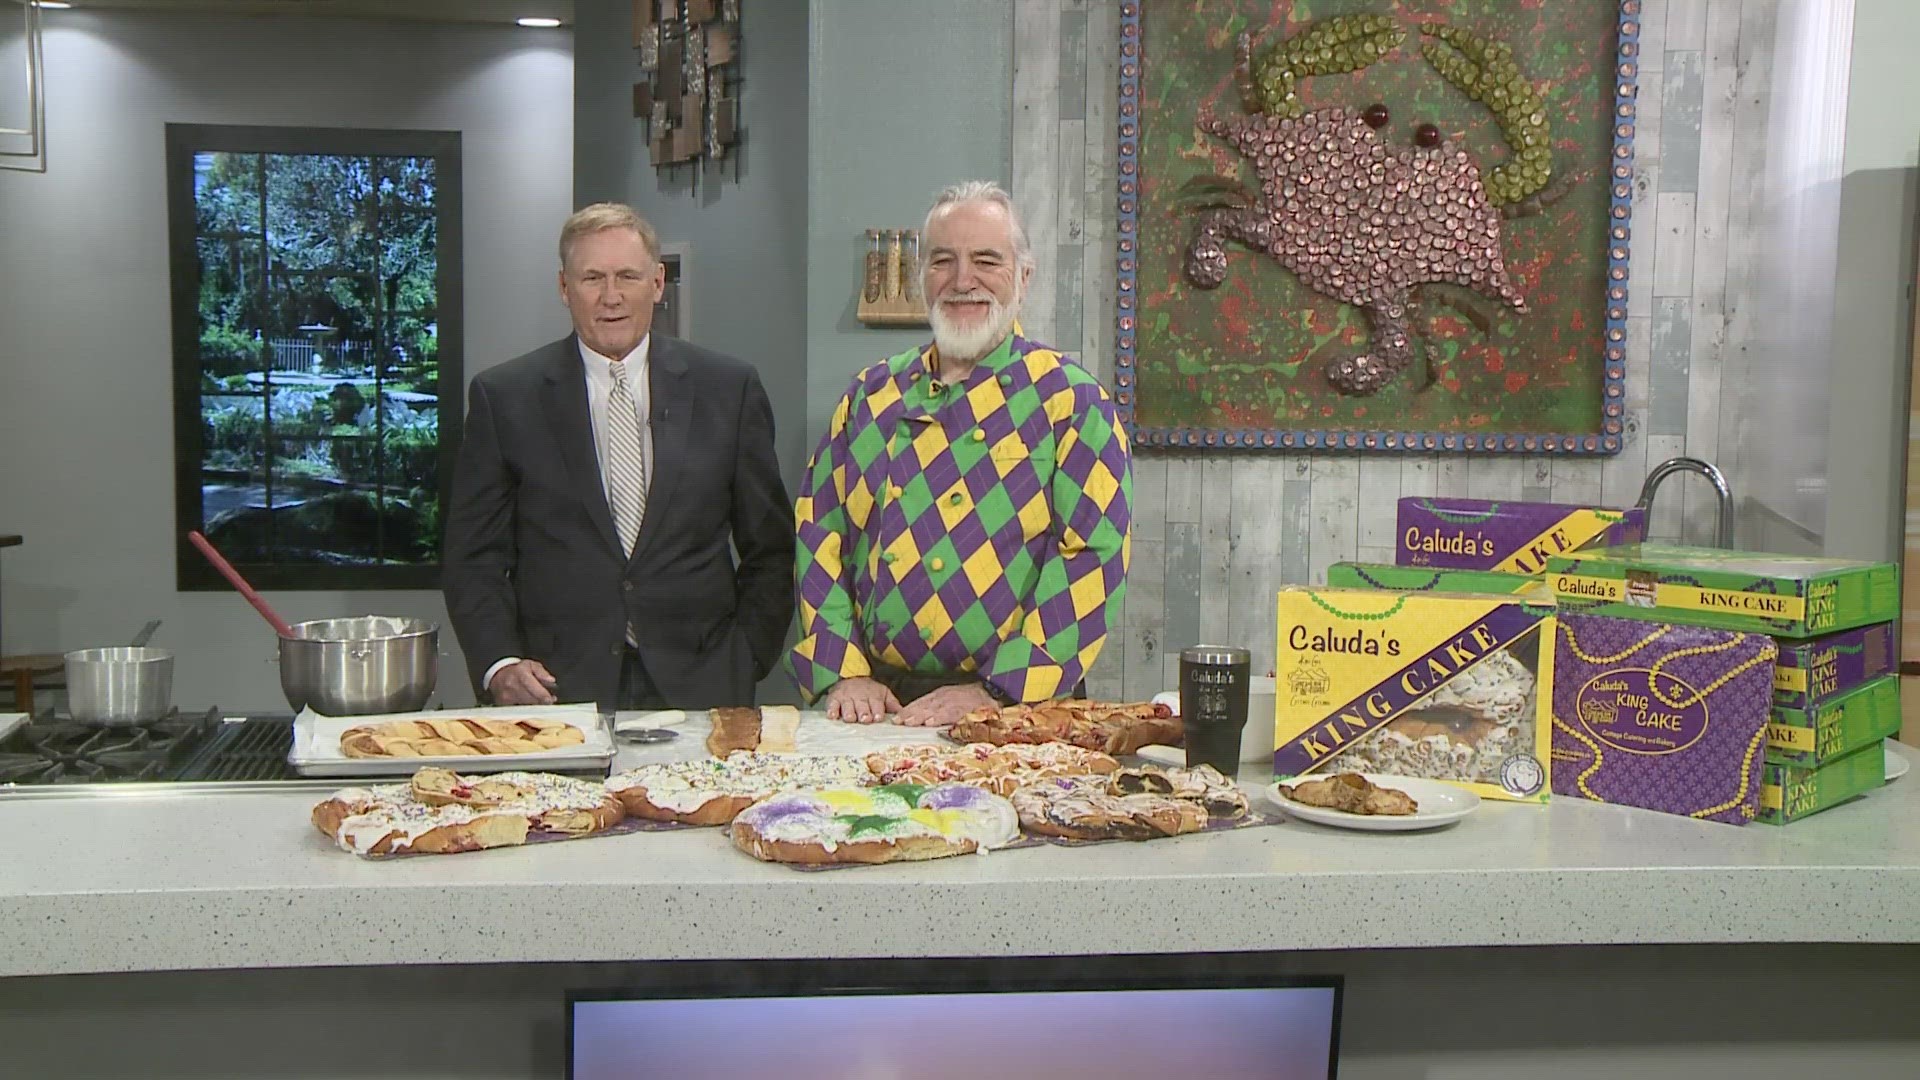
[{"x": 974, "y": 527}]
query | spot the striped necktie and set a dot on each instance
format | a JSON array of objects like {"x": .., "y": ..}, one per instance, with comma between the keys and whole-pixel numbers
[{"x": 626, "y": 462}]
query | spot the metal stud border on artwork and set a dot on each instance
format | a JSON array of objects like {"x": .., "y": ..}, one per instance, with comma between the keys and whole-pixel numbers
[{"x": 1619, "y": 231}]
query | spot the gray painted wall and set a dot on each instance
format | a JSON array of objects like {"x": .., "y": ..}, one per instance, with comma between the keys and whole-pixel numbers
[
  {"x": 745, "y": 270},
  {"x": 85, "y": 368},
  {"x": 906, "y": 97}
]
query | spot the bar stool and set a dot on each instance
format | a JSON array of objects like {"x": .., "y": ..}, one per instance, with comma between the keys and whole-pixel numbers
[{"x": 21, "y": 671}]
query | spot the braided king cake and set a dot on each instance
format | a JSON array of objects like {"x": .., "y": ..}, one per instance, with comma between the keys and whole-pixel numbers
[
  {"x": 711, "y": 791},
  {"x": 1132, "y": 804},
  {"x": 458, "y": 737},
  {"x": 999, "y": 769},
  {"x": 898, "y": 822},
  {"x": 1113, "y": 729},
  {"x": 440, "y": 812}
]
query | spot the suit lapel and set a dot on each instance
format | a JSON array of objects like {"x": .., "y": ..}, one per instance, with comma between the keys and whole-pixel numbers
[
  {"x": 672, "y": 410},
  {"x": 566, "y": 408}
]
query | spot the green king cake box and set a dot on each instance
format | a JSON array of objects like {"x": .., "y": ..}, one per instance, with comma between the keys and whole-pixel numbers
[
  {"x": 1358, "y": 575},
  {"x": 1789, "y": 794},
  {"x": 1786, "y": 596},
  {"x": 1815, "y": 669},
  {"x": 1810, "y": 738}
]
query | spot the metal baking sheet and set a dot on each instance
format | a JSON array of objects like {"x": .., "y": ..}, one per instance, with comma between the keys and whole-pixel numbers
[{"x": 316, "y": 744}]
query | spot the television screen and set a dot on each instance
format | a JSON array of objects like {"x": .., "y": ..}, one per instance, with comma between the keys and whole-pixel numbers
[{"x": 1221, "y": 1033}]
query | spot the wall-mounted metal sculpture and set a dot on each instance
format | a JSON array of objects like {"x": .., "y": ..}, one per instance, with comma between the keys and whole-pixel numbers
[{"x": 689, "y": 55}]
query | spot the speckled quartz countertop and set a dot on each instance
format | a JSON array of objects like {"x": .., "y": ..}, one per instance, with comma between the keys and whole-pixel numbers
[{"x": 172, "y": 881}]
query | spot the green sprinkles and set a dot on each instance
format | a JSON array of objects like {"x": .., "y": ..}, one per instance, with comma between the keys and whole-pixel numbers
[
  {"x": 906, "y": 793},
  {"x": 867, "y": 824}
]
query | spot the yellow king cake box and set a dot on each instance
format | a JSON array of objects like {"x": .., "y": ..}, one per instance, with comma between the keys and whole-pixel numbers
[{"x": 1445, "y": 686}]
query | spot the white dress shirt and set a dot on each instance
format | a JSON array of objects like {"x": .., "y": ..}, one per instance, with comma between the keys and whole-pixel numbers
[{"x": 599, "y": 387}]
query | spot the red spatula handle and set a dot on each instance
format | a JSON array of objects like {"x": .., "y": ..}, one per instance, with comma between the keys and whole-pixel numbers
[{"x": 233, "y": 576}]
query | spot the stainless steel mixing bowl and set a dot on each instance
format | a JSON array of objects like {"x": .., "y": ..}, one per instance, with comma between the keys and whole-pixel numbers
[{"x": 358, "y": 666}]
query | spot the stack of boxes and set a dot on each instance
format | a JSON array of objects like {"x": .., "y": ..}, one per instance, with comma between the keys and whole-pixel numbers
[
  {"x": 1835, "y": 684},
  {"x": 1836, "y": 691}
]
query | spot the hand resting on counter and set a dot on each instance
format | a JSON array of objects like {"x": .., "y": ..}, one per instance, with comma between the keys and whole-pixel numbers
[
  {"x": 944, "y": 707},
  {"x": 860, "y": 701}
]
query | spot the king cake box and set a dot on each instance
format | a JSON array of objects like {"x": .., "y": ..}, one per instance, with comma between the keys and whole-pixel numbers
[
  {"x": 1810, "y": 738},
  {"x": 1437, "y": 685},
  {"x": 1816, "y": 669},
  {"x": 1669, "y": 718},
  {"x": 1784, "y": 595},
  {"x": 1506, "y": 537},
  {"x": 1358, "y": 575},
  {"x": 1788, "y": 793}
]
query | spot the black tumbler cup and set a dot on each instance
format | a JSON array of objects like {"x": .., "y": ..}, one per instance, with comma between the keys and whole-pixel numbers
[{"x": 1214, "y": 681}]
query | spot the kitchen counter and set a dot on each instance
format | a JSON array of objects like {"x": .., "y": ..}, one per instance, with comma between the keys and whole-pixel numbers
[{"x": 169, "y": 881}]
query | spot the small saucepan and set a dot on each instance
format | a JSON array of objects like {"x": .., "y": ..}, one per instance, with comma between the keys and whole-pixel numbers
[{"x": 122, "y": 686}]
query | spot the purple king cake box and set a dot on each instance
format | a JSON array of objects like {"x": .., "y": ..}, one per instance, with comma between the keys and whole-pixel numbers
[
  {"x": 1505, "y": 537},
  {"x": 1670, "y": 718}
]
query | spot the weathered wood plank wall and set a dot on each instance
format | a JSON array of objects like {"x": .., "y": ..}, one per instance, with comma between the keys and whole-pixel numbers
[{"x": 1217, "y": 535}]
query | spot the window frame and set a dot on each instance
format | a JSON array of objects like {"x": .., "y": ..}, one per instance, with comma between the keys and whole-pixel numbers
[{"x": 183, "y": 142}]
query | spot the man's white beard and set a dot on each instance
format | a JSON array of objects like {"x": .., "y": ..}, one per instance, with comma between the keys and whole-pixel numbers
[{"x": 964, "y": 345}]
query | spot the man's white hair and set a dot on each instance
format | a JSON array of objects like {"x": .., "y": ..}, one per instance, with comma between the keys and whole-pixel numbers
[{"x": 988, "y": 192}]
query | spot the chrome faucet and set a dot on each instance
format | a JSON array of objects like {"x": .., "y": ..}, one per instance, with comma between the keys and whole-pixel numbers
[{"x": 1723, "y": 526}]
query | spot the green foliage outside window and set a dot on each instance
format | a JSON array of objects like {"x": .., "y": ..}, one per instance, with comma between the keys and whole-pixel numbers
[{"x": 318, "y": 356}]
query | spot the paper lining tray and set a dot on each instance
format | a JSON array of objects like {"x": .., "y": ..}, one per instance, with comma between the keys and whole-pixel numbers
[{"x": 316, "y": 744}]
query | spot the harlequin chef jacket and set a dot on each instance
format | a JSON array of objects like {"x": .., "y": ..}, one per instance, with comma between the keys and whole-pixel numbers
[{"x": 978, "y": 527}]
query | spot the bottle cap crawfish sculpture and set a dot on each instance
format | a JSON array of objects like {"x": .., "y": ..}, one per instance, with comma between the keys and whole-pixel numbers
[{"x": 1355, "y": 220}]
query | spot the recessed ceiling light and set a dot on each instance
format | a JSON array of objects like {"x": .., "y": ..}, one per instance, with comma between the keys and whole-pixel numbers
[
  {"x": 537, "y": 21},
  {"x": 52, "y": 5}
]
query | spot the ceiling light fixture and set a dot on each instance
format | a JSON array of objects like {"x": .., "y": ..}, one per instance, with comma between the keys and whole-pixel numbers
[
  {"x": 540, "y": 22},
  {"x": 52, "y": 5}
]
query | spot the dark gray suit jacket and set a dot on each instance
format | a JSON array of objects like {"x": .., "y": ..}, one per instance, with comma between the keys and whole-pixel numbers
[{"x": 533, "y": 566}]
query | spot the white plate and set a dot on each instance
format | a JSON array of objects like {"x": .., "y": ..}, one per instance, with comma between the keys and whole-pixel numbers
[
  {"x": 1897, "y": 763},
  {"x": 316, "y": 744},
  {"x": 1440, "y": 804},
  {"x": 649, "y": 721},
  {"x": 1164, "y": 755}
]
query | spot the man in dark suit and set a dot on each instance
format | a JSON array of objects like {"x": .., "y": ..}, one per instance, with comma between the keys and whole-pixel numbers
[{"x": 605, "y": 485}]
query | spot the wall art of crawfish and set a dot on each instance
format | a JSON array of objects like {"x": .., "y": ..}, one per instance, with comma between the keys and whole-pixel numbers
[{"x": 1359, "y": 221}]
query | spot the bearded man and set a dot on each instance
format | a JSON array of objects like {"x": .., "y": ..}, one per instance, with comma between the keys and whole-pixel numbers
[{"x": 964, "y": 524}]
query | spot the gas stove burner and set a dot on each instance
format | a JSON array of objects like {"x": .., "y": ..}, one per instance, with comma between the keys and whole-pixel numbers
[{"x": 55, "y": 749}]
